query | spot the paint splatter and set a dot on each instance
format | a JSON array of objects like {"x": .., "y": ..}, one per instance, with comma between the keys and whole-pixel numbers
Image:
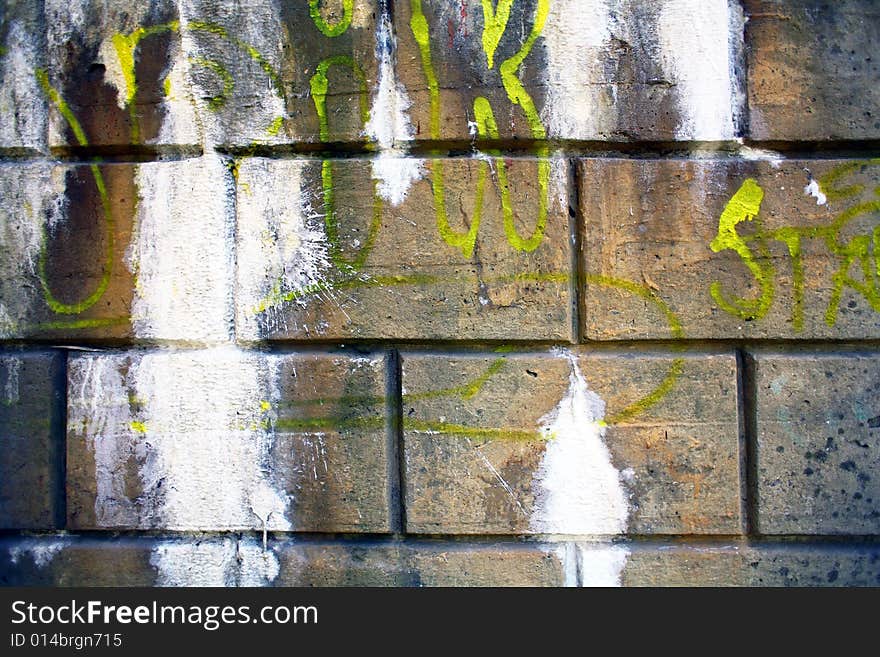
[
  {"x": 813, "y": 189},
  {"x": 282, "y": 248},
  {"x": 389, "y": 125},
  {"x": 41, "y": 551}
]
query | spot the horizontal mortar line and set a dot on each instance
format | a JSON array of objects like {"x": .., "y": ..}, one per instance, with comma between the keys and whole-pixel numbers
[
  {"x": 133, "y": 154},
  {"x": 480, "y": 540},
  {"x": 670, "y": 347},
  {"x": 456, "y": 148}
]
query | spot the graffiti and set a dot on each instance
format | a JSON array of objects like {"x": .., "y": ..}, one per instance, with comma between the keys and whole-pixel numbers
[
  {"x": 53, "y": 303},
  {"x": 861, "y": 252},
  {"x": 495, "y": 24}
]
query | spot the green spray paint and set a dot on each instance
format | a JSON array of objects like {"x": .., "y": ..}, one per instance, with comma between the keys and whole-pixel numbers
[
  {"x": 337, "y": 28},
  {"x": 109, "y": 223},
  {"x": 319, "y": 85},
  {"x": 495, "y": 24},
  {"x": 860, "y": 253},
  {"x": 743, "y": 206}
]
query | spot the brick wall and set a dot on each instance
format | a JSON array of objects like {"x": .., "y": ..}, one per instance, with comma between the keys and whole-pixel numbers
[{"x": 439, "y": 292}]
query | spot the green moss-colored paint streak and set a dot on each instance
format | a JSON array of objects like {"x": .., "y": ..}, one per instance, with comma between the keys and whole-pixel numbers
[
  {"x": 463, "y": 431},
  {"x": 419, "y": 26},
  {"x": 743, "y": 206},
  {"x": 508, "y": 69},
  {"x": 319, "y": 85},
  {"x": 676, "y": 330},
  {"x": 77, "y": 324},
  {"x": 646, "y": 293},
  {"x": 792, "y": 240},
  {"x": 828, "y": 182},
  {"x": 657, "y": 394},
  {"x": 337, "y": 28},
  {"x": 252, "y": 52},
  {"x": 331, "y": 423},
  {"x": 125, "y": 46},
  {"x": 494, "y": 25},
  {"x": 275, "y": 127},
  {"x": 109, "y": 223},
  {"x": 217, "y": 101},
  {"x": 467, "y": 391},
  {"x": 62, "y": 107}
]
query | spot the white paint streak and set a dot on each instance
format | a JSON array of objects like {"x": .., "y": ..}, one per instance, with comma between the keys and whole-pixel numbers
[
  {"x": 282, "y": 250},
  {"x": 577, "y": 489},
  {"x": 578, "y": 104},
  {"x": 182, "y": 252},
  {"x": 815, "y": 191},
  {"x": 11, "y": 388},
  {"x": 22, "y": 103},
  {"x": 761, "y": 155},
  {"x": 226, "y": 562},
  {"x": 695, "y": 53},
  {"x": 602, "y": 565},
  {"x": 389, "y": 124},
  {"x": 193, "y": 426}
]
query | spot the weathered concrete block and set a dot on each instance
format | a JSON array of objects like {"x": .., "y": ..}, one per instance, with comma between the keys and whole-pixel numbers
[
  {"x": 127, "y": 562},
  {"x": 417, "y": 564},
  {"x": 683, "y": 565},
  {"x": 278, "y": 74},
  {"x": 818, "y": 444},
  {"x": 23, "y": 105},
  {"x": 598, "y": 445},
  {"x": 730, "y": 248},
  {"x": 813, "y": 74},
  {"x": 207, "y": 72},
  {"x": 219, "y": 439},
  {"x": 325, "y": 251},
  {"x": 812, "y": 565},
  {"x": 117, "y": 250},
  {"x": 572, "y": 69},
  {"x": 30, "y": 429},
  {"x": 117, "y": 75}
]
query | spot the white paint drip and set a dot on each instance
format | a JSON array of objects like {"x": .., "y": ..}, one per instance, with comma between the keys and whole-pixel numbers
[
  {"x": 578, "y": 103},
  {"x": 760, "y": 155},
  {"x": 225, "y": 562},
  {"x": 282, "y": 248},
  {"x": 22, "y": 103},
  {"x": 577, "y": 489},
  {"x": 181, "y": 252},
  {"x": 11, "y": 388},
  {"x": 602, "y": 565},
  {"x": 815, "y": 191},
  {"x": 197, "y": 437},
  {"x": 389, "y": 124},
  {"x": 41, "y": 551},
  {"x": 695, "y": 52}
]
